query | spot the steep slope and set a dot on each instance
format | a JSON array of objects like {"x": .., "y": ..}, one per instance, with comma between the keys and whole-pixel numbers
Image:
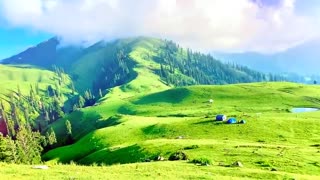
[{"x": 25, "y": 97}]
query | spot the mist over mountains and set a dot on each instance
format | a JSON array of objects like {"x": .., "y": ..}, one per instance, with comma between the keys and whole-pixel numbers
[{"x": 302, "y": 59}]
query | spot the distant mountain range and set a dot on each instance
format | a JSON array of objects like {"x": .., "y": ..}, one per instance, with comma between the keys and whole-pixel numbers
[
  {"x": 302, "y": 59},
  {"x": 296, "y": 64}
]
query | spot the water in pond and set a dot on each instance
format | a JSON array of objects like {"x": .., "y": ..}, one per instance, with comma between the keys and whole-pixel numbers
[{"x": 300, "y": 110}]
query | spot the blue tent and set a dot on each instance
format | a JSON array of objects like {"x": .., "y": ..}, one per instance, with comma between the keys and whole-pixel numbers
[
  {"x": 232, "y": 121},
  {"x": 221, "y": 117},
  {"x": 242, "y": 121}
]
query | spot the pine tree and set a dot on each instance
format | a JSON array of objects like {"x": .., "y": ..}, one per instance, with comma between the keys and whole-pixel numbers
[
  {"x": 69, "y": 127},
  {"x": 87, "y": 95},
  {"x": 57, "y": 109},
  {"x": 28, "y": 145},
  {"x": 100, "y": 93},
  {"x": 81, "y": 101},
  {"x": 50, "y": 91},
  {"x": 5, "y": 153},
  {"x": 75, "y": 107},
  {"x": 51, "y": 137},
  {"x": 69, "y": 132},
  {"x": 72, "y": 88},
  {"x": 37, "y": 88}
]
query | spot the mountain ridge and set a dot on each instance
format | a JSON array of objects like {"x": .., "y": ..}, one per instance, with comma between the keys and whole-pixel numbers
[
  {"x": 107, "y": 64},
  {"x": 289, "y": 61}
]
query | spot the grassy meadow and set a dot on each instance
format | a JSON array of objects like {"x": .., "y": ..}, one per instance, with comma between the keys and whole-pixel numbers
[
  {"x": 152, "y": 170},
  {"x": 274, "y": 143}
]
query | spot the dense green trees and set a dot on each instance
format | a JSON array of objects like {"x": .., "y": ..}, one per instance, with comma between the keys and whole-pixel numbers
[
  {"x": 114, "y": 71},
  {"x": 24, "y": 116},
  {"x": 26, "y": 148},
  {"x": 181, "y": 68}
]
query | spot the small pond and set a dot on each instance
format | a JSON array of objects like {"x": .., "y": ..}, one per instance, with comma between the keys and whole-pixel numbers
[{"x": 301, "y": 110}]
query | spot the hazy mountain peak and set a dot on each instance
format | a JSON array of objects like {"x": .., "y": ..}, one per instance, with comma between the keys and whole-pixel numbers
[{"x": 302, "y": 59}]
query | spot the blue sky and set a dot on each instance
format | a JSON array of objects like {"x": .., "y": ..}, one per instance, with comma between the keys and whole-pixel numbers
[
  {"x": 16, "y": 39},
  {"x": 264, "y": 26}
]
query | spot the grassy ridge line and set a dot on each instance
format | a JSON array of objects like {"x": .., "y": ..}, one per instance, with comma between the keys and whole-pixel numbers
[
  {"x": 141, "y": 50},
  {"x": 159, "y": 170}
]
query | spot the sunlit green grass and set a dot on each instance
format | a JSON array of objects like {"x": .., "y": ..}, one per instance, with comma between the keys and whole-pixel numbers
[
  {"x": 149, "y": 126},
  {"x": 23, "y": 77},
  {"x": 153, "y": 170}
]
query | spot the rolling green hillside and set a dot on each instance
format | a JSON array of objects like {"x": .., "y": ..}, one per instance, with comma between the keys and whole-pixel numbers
[{"x": 146, "y": 126}]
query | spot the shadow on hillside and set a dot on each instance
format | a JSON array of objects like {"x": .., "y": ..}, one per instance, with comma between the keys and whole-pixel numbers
[
  {"x": 111, "y": 121},
  {"x": 126, "y": 110},
  {"x": 155, "y": 130},
  {"x": 173, "y": 96},
  {"x": 214, "y": 122},
  {"x": 125, "y": 155},
  {"x": 82, "y": 124}
]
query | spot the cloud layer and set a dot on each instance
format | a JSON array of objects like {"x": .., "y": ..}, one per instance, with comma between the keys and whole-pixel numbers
[{"x": 227, "y": 25}]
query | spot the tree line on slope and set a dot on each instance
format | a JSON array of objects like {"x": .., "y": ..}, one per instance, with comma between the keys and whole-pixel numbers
[
  {"x": 181, "y": 68},
  {"x": 114, "y": 71},
  {"x": 25, "y": 119}
]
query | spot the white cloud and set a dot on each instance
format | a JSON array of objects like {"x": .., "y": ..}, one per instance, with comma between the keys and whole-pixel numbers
[{"x": 226, "y": 25}]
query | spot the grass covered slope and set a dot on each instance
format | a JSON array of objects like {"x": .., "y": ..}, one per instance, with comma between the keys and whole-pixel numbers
[
  {"x": 105, "y": 113},
  {"x": 145, "y": 126},
  {"x": 24, "y": 76}
]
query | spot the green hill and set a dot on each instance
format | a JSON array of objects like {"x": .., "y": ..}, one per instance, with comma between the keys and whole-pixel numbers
[
  {"x": 108, "y": 64},
  {"x": 147, "y": 111},
  {"x": 145, "y": 127}
]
